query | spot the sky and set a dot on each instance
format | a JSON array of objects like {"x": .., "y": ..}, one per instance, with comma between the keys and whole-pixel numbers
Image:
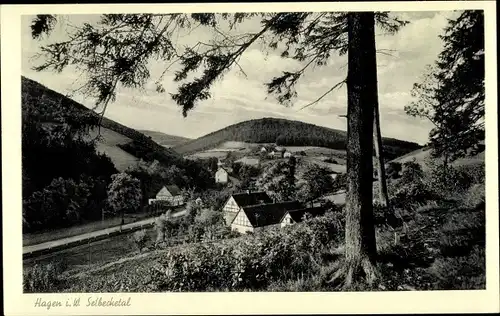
[{"x": 239, "y": 97}]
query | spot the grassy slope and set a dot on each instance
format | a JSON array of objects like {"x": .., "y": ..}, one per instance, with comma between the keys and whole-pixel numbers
[
  {"x": 113, "y": 133},
  {"x": 268, "y": 129},
  {"x": 165, "y": 139},
  {"x": 423, "y": 154}
]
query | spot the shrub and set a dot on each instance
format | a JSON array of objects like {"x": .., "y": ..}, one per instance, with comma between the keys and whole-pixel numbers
[
  {"x": 462, "y": 230},
  {"x": 448, "y": 182},
  {"x": 140, "y": 238},
  {"x": 411, "y": 193},
  {"x": 476, "y": 172},
  {"x": 393, "y": 170},
  {"x": 254, "y": 261},
  {"x": 475, "y": 197},
  {"x": 461, "y": 273},
  {"x": 411, "y": 172},
  {"x": 195, "y": 268},
  {"x": 41, "y": 278}
]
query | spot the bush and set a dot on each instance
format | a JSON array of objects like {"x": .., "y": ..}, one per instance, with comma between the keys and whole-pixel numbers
[
  {"x": 42, "y": 278},
  {"x": 462, "y": 230},
  {"x": 195, "y": 268},
  {"x": 393, "y": 170},
  {"x": 475, "y": 197},
  {"x": 411, "y": 194},
  {"x": 461, "y": 273},
  {"x": 448, "y": 182},
  {"x": 254, "y": 262},
  {"x": 140, "y": 238},
  {"x": 476, "y": 172},
  {"x": 410, "y": 188}
]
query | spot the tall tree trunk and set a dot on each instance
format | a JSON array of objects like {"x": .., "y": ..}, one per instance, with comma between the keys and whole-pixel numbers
[
  {"x": 360, "y": 248},
  {"x": 377, "y": 140}
]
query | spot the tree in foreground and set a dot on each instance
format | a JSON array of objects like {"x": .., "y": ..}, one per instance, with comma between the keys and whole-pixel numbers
[
  {"x": 117, "y": 51},
  {"x": 451, "y": 94}
]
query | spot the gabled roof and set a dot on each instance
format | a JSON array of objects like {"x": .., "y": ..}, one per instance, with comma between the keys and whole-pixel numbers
[
  {"x": 173, "y": 189},
  {"x": 269, "y": 214},
  {"x": 298, "y": 215},
  {"x": 222, "y": 168},
  {"x": 251, "y": 198}
]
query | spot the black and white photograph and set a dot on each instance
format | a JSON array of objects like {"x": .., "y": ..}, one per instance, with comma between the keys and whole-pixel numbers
[{"x": 253, "y": 151}]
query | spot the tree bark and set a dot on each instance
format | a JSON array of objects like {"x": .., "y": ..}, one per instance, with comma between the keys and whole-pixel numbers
[
  {"x": 360, "y": 250},
  {"x": 377, "y": 139}
]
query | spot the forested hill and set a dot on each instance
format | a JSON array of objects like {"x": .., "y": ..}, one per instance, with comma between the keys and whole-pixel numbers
[
  {"x": 43, "y": 159},
  {"x": 286, "y": 133},
  {"x": 148, "y": 146}
]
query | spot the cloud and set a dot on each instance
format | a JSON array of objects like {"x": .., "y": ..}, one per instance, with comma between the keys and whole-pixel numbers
[{"x": 238, "y": 97}]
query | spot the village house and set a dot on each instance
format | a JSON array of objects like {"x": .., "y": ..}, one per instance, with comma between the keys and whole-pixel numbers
[
  {"x": 287, "y": 154},
  {"x": 263, "y": 150},
  {"x": 221, "y": 176},
  {"x": 333, "y": 175},
  {"x": 258, "y": 217},
  {"x": 237, "y": 201},
  {"x": 171, "y": 194},
  {"x": 297, "y": 216}
]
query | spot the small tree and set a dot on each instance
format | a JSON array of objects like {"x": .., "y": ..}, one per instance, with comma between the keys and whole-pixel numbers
[
  {"x": 124, "y": 194},
  {"x": 319, "y": 182}
]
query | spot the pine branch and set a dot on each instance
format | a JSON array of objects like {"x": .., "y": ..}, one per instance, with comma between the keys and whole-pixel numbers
[{"x": 336, "y": 86}]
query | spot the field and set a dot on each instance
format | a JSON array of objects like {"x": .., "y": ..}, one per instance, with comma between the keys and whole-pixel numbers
[
  {"x": 95, "y": 254},
  {"x": 107, "y": 144},
  {"x": 165, "y": 139}
]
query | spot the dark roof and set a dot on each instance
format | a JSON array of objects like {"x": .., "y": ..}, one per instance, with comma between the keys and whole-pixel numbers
[
  {"x": 251, "y": 198},
  {"x": 269, "y": 214},
  {"x": 173, "y": 189},
  {"x": 298, "y": 215}
]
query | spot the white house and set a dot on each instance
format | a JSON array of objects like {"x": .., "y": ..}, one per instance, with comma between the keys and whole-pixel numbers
[
  {"x": 237, "y": 201},
  {"x": 333, "y": 175},
  {"x": 287, "y": 154},
  {"x": 297, "y": 216},
  {"x": 263, "y": 149},
  {"x": 169, "y": 193},
  {"x": 221, "y": 176},
  {"x": 257, "y": 217}
]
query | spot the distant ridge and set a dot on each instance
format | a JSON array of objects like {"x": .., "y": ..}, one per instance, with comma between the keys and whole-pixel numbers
[
  {"x": 286, "y": 133},
  {"x": 165, "y": 140}
]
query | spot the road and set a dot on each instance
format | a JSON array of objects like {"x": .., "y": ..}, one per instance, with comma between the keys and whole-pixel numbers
[{"x": 91, "y": 236}]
